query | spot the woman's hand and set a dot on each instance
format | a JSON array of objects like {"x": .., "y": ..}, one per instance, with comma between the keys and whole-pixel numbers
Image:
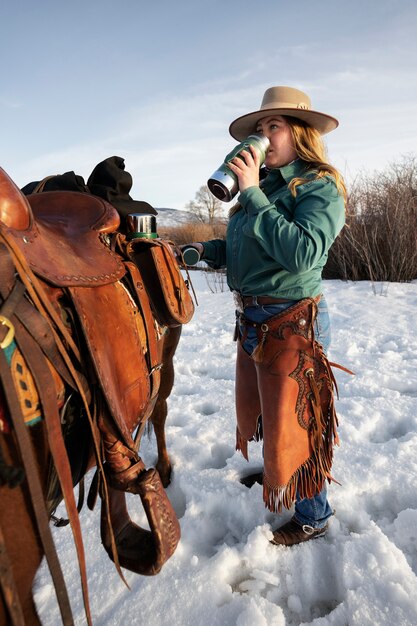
[
  {"x": 195, "y": 244},
  {"x": 246, "y": 168}
]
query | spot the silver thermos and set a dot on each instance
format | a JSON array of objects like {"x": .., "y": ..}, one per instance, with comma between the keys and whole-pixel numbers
[{"x": 141, "y": 225}]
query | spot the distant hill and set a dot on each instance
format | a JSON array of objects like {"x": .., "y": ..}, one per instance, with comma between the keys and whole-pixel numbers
[{"x": 174, "y": 217}]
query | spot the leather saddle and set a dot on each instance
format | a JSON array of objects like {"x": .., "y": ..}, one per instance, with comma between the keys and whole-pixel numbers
[
  {"x": 57, "y": 243},
  {"x": 59, "y": 234}
]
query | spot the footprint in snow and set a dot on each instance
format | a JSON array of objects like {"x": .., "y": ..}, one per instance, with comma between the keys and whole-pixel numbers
[{"x": 216, "y": 457}]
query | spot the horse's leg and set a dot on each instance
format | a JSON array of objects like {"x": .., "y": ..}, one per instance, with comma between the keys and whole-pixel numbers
[
  {"x": 19, "y": 530},
  {"x": 160, "y": 411}
]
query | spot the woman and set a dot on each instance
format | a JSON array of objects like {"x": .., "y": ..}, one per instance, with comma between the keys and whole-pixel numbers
[{"x": 277, "y": 243}]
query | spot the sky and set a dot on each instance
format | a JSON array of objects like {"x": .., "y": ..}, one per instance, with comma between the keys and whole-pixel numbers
[
  {"x": 158, "y": 83},
  {"x": 224, "y": 571}
]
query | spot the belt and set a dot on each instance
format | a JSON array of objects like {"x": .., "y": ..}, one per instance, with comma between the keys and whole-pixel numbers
[{"x": 244, "y": 301}]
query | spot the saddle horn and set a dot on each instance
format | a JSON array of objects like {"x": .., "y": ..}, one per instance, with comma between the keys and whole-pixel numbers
[{"x": 15, "y": 211}]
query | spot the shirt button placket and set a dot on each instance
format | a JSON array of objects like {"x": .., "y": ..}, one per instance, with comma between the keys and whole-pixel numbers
[{"x": 234, "y": 256}]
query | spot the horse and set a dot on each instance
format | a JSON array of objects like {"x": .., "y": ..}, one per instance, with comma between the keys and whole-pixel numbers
[{"x": 89, "y": 323}]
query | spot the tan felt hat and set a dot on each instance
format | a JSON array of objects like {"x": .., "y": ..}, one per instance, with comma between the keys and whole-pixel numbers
[{"x": 283, "y": 101}]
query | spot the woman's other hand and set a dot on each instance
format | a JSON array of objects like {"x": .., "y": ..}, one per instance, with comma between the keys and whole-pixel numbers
[{"x": 195, "y": 244}]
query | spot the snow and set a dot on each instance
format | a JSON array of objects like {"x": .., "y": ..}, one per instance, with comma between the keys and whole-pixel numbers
[{"x": 224, "y": 571}]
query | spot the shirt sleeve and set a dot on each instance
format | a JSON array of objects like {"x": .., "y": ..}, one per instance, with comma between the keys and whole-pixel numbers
[
  {"x": 215, "y": 253},
  {"x": 299, "y": 244}
]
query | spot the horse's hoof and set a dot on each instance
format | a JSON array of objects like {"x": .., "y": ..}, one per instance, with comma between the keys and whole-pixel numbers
[{"x": 165, "y": 475}]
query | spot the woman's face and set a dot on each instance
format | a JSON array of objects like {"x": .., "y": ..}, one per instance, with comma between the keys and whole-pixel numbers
[{"x": 281, "y": 150}]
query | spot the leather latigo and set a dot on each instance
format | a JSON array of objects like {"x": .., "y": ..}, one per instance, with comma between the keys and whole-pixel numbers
[{"x": 288, "y": 381}]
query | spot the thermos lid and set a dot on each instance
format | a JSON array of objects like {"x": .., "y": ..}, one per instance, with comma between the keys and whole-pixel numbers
[{"x": 190, "y": 255}]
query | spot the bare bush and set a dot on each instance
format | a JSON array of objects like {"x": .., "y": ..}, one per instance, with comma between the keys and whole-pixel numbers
[
  {"x": 215, "y": 279},
  {"x": 192, "y": 231},
  {"x": 379, "y": 241}
]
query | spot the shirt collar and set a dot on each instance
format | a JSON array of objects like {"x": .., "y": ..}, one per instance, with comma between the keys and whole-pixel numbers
[{"x": 284, "y": 174}]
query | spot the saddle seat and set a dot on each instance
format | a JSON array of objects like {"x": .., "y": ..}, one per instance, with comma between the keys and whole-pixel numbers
[{"x": 60, "y": 234}]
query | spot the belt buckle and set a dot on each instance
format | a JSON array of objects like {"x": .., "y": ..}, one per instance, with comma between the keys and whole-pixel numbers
[{"x": 238, "y": 300}]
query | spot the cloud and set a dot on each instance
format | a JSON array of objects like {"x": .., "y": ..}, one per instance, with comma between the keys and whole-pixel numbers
[{"x": 175, "y": 140}]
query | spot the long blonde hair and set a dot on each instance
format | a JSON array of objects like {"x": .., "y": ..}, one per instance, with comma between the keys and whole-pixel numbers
[{"x": 310, "y": 148}]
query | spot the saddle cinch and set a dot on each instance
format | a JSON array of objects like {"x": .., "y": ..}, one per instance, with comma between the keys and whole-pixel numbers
[{"x": 57, "y": 244}]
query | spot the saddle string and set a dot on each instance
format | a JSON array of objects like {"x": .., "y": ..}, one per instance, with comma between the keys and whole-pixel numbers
[{"x": 41, "y": 184}]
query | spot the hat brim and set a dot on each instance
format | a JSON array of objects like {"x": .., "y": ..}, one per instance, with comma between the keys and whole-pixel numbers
[{"x": 243, "y": 126}]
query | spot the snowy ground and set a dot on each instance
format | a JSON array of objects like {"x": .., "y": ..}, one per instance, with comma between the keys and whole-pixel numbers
[{"x": 225, "y": 572}]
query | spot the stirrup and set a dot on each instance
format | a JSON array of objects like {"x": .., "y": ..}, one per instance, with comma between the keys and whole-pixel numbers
[{"x": 139, "y": 550}]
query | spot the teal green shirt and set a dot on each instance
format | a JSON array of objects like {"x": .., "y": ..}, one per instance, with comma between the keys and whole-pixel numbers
[{"x": 277, "y": 244}]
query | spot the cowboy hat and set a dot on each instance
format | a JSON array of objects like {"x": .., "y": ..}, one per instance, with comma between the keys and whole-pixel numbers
[{"x": 283, "y": 101}]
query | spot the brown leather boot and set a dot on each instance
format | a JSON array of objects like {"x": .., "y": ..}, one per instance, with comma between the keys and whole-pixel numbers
[{"x": 292, "y": 533}]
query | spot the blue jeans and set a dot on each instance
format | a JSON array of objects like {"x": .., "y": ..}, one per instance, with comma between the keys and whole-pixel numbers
[{"x": 311, "y": 511}]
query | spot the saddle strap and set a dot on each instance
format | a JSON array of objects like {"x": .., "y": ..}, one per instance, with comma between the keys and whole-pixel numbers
[
  {"x": 46, "y": 389},
  {"x": 37, "y": 292},
  {"x": 35, "y": 489},
  {"x": 14, "y": 304}
]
